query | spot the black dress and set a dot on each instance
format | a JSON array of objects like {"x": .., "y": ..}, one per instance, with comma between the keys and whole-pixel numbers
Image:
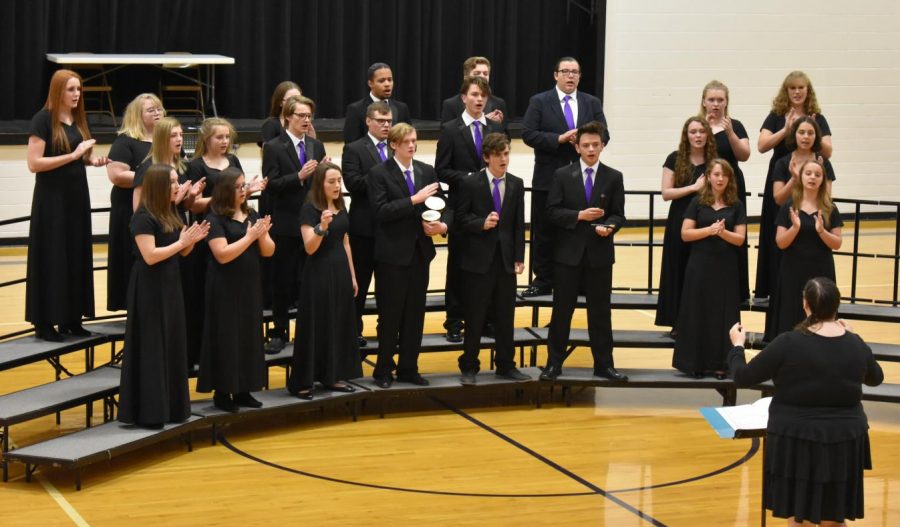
[
  {"x": 197, "y": 169},
  {"x": 154, "y": 385},
  {"x": 768, "y": 253},
  {"x": 710, "y": 304},
  {"x": 232, "y": 358},
  {"x": 724, "y": 151},
  {"x": 326, "y": 349},
  {"x": 59, "y": 284},
  {"x": 807, "y": 257},
  {"x": 817, "y": 437},
  {"x": 131, "y": 152},
  {"x": 675, "y": 252}
]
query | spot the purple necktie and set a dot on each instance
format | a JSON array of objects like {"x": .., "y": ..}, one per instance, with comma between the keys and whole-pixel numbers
[
  {"x": 496, "y": 195},
  {"x": 477, "y": 133},
  {"x": 409, "y": 182},
  {"x": 301, "y": 152},
  {"x": 567, "y": 110},
  {"x": 588, "y": 184},
  {"x": 381, "y": 151}
]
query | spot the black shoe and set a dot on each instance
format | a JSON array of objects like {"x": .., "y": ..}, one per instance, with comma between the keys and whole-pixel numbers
[
  {"x": 245, "y": 399},
  {"x": 513, "y": 374},
  {"x": 413, "y": 378},
  {"x": 721, "y": 375},
  {"x": 550, "y": 373},
  {"x": 534, "y": 290},
  {"x": 74, "y": 329},
  {"x": 673, "y": 334},
  {"x": 611, "y": 374},
  {"x": 223, "y": 402},
  {"x": 468, "y": 378},
  {"x": 699, "y": 375},
  {"x": 48, "y": 333},
  {"x": 275, "y": 345},
  {"x": 343, "y": 388},
  {"x": 384, "y": 382},
  {"x": 454, "y": 335},
  {"x": 361, "y": 340},
  {"x": 306, "y": 394}
]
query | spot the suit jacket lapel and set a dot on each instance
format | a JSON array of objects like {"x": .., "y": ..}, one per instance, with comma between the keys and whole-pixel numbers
[
  {"x": 373, "y": 150},
  {"x": 556, "y": 108},
  {"x": 291, "y": 149}
]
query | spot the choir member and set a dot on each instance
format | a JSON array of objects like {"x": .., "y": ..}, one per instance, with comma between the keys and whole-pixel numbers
[
  {"x": 273, "y": 126},
  {"x": 232, "y": 361},
  {"x": 796, "y": 98},
  {"x": 154, "y": 384},
  {"x": 326, "y": 349},
  {"x": 381, "y": 88},
  {"x": 59, "y": 284},
  {"x": 494, "y": 108},
  {"x": 806, "y": 142},
  {"x": 715, "y": 226},
  {"x": 213, "y": 154}
]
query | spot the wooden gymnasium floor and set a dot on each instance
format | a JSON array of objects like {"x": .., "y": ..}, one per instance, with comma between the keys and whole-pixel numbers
[{"x": 615, "y": 457}]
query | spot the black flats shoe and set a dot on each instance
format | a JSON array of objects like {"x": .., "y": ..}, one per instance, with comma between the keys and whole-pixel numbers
[
  {"x": 74, "y": 329},
  {"x": 247, "y": 400},
  {"x": 48, "y": 333},
  {"x": 343, "y": 388},
  {"x": 223, "y": 401}
]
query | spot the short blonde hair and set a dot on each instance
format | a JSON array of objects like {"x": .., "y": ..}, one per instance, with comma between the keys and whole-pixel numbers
[
  {"x": 399, "y": 131},
  {"x": 132, "y": 122}
]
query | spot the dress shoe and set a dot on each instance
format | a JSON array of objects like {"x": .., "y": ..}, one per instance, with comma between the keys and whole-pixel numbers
[
  {"x": 361, "y": 340},
  {"x": 513, "y": 374},
  {"x": 720, "y": 375},
  {"x": 384, "y": 382},
  {"x": 534, "y": 290},
  {"x": 305, "y": 394},
  {"x": 454, "y": 335},
  {"x": 245, "y": 399},
  {"x": 413, "y": 378},
  {"x": 611, "y": 374},
  {"x": 468, "y": 378},
  {"x": 74, "y": 329},
  {"x": 699, "y": 375},
  {"x": 48, "y": 333},
  {"x": 223, "y": 402},
  {"x": 550, "y": 373},
  {"x": 343, "y": 388},
  {"x": 275, "y": 345}
]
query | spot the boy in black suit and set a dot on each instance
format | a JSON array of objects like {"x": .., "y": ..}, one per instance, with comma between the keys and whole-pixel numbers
[
  {"x": 459, "y": 156},
  {"x": 358, "y": 159},
  {"x": 398, "y": 189},
  {"x": 288, "y": 162},
  {"x": 381, "y": 88},
  {"x": 490, "y": 215},
  {"x": 494, "y": 109},
  {"x": 587, "y": 205}
]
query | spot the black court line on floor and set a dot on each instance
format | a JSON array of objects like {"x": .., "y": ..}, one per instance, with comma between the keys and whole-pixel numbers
[{"x": 552, "y": 464}]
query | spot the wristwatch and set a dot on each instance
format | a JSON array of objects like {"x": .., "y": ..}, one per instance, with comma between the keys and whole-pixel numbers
[{"x": 318, "y": 230}]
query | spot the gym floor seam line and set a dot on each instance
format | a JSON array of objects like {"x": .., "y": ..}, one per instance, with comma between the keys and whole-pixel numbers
[{"x": 615, "y": 499}]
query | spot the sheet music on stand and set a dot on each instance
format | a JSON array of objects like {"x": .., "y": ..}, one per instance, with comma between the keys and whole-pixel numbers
[{"x": 746, "y": 420}]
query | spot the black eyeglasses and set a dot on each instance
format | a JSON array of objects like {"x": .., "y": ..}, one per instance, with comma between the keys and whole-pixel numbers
[{"x": 569, "y": 73}]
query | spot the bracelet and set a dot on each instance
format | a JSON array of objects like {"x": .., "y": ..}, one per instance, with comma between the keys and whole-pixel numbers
[{"x": 318, "y": 230}]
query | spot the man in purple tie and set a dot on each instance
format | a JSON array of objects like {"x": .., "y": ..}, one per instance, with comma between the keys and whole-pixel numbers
[
  {"x": 398, "y": 189},
  {"x": 458, "y": 156},
  {"x": 288, "y": 162},
  {"x": 490, "y": 222},
  {"x": 550, "y": 122},
  {"x": 587, "y": 205},
  {"x": 358, "y": 159}
]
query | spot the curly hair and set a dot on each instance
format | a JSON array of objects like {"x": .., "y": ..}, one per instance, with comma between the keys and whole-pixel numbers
[
  {"x": 781, "y": 104},
  {"x": 684, "y": 169}
]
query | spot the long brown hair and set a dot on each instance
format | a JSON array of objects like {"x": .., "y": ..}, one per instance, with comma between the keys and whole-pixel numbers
[
  {"x": 54, "y": 103},
  {"x": 207, "y": 129},
  {"x": 684, "y": 168},
  {"x": 278, "y": 95},
  {"x": 823, "y": 196},
  {"x": 222, "y": 200},
  {"x": 791, "y": 140},
  {"x": 823, "y": 298},
  {"x": 707, "y": 196},
  {"x": 316, "y": 194},
  {"x": 781, "y": 104},
  {"x": 156, "y": 196},
  {"x": 159, "y": 148}
]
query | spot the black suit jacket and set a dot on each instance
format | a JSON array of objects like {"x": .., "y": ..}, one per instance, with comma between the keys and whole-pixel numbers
[
  {"x": 355, "y": 117},
  {"x": 474, "y": 203},
  {"x": 281, "y": 165},
  {"x": 358, "y": 159},
  {"x": 456, "y": 156},
  {"x": 577, "y": 239},
  {"x": 544, "y": 122},
  {"x": 398, "y": 224},
  {"x": 453, "y": 107}
]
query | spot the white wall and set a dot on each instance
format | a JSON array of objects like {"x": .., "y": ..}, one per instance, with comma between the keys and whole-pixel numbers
[{"x": 660, "y": 54}]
